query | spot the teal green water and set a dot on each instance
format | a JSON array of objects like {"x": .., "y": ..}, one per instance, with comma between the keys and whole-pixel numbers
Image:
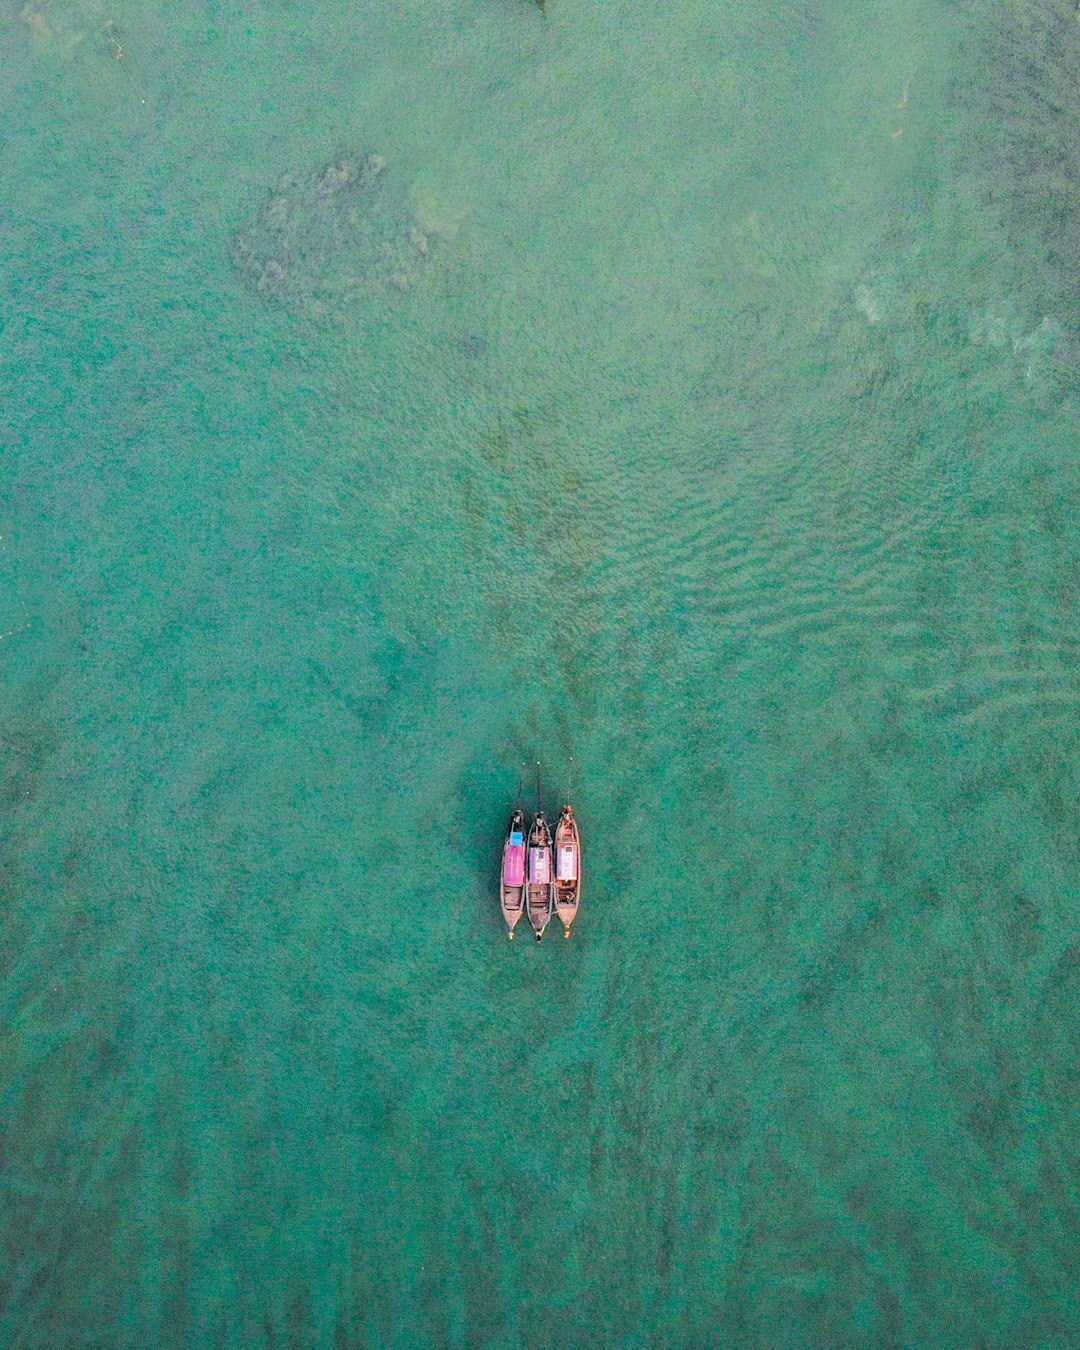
[{"x": 695, "y": 393}]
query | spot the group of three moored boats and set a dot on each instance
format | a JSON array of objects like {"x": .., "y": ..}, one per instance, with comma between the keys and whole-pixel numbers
[{"x": 540, "y": 877}]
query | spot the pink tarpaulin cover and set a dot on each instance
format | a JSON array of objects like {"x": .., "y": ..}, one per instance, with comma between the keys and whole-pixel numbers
[
  {"x": 566, "y": 864},
  {"x": 514, "y": 865},
  {"x": 540, "y": 866}
]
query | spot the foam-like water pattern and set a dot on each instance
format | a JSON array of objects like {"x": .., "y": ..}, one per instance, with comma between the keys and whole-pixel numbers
[{"x": 394, "y": 394}]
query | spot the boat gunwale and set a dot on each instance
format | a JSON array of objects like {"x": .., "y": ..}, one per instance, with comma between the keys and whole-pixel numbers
[{"x": 567, "y": 826}]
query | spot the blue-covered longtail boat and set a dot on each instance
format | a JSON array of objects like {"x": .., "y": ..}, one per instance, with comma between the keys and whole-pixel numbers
[{"x": 512, "y": 880}]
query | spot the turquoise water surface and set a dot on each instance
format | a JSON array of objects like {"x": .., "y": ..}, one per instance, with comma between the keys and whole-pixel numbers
[{"x": 688, "y": 388}]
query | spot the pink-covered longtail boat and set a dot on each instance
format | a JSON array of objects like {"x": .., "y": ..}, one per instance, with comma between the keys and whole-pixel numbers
[
  {"x": 567, "y": 868},
  {"x": 512, "y": 881},
  {"x": 539, "y": 887}
]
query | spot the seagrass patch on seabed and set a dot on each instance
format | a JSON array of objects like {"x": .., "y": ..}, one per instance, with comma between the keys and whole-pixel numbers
[{"x": 332, "y": 235}]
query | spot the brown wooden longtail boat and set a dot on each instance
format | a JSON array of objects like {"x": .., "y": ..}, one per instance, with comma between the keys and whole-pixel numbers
[
  {"x": 512, "y": 878},
  {"x": 539, "y": 888},
  {"x": 567, "y": 868}
]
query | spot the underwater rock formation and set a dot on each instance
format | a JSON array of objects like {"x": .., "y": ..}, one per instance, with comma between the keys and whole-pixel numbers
[{"x": 330, "y": 236}]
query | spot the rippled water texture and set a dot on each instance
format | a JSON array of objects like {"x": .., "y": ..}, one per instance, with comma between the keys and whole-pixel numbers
[{"x": 393, "y": 393}]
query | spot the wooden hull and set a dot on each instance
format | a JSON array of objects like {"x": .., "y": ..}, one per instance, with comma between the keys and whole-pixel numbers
[
  {"x": 539, "y": 904},
  {"x": 567, "y": 891},
  {"x": 512, "y": 902},
  {"x": 539, "y": 886},
  {"x": 511, "y": 877},
  {"x": 567, "y": 912}
]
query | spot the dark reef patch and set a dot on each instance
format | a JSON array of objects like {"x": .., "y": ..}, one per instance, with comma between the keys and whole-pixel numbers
[
  {"x": 1024, "y": 160},
  {"x": 330, "y": 236}
]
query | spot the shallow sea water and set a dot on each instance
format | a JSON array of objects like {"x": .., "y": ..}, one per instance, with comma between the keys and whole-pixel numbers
[{"x": 700, "y": 402}]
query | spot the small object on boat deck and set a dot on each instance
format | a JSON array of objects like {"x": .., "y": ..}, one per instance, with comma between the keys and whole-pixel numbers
[
  {"x": 512, "y": 881},
  {"x": 567, "y": 868}
]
